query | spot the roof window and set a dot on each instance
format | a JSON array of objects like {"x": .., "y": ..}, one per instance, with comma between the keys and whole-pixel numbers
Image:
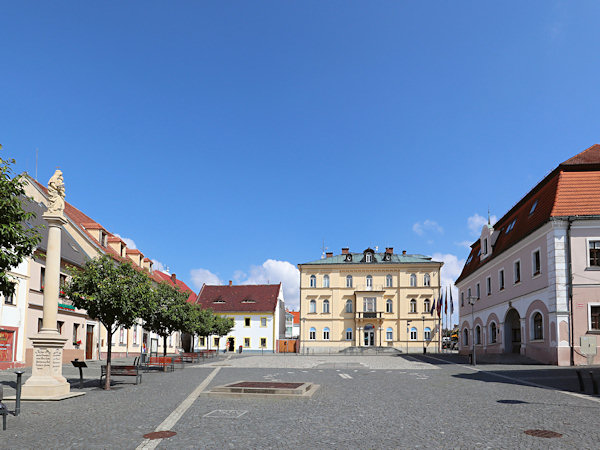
[
  {"x": 469, "y": 258},
  {"x": 533, "y": 207},
  {"x": 511, "y": 226}
]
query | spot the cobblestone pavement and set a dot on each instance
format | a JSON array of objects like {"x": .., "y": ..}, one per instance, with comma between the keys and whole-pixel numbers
[{"x": 454, "y": 406}]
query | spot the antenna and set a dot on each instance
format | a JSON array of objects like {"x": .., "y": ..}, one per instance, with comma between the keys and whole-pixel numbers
[
  {"x": 489, "y": 215},
  {"x": 323, "y": 249},
  {"x": 36, "y": 162}
]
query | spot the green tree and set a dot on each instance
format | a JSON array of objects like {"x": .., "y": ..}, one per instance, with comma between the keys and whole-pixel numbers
[
  {"x": 222, "y": 325},
  {"x": 168, "y": 314},
  {"x": 17, "y": 240},
  {"x": 114, "y": 293}
]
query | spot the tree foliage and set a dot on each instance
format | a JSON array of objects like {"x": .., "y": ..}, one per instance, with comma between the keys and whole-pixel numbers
[
  {"x": 114, "y": 293},
  {"x": 17, "y": 239}
]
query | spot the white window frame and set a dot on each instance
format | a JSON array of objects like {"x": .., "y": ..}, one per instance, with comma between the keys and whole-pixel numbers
[
  {"x": 368, "y": 257},
  {"x": 589, "y": 316},
  {"x": 426, "y": 280},
  {"x": 389, "y": 281},
  {"x": 349, "y": 334},
  {"x": 325, "y": 306},
  {"x": 413, "y": 280},
  {"x": 368, "y": 302},
  {"x": 389, "y": 306},
  {"x": 312, "y": 306},
  {"x": 326, "y": 333},
  {"x": 533, "y": 274},
  {"x": 325, "y": 281},
  {"x": 313, "y": 281},
  {"x": 369, "y": 281},
  {"x": 413, "y": 334},
  {"x": 515, "y": 262},
  {"x": 427, "y": 334},
  {"x": 312, "y": 334},
  {"x": 488, "y": 285},
  {"x": 389, "y": 334},
  {"x": 348, "y": 281},
  {"x": 349, "y": 303},
  {"x": 587, "y": 249}
]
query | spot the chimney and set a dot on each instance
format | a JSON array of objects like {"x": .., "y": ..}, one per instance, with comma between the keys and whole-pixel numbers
[
  {"x": 389, "y": 250},
  {"x": 173, "y": 277},
  {"x": 403, "y": 252},
  {"x": 329, "y": 254},
  {"x": 230, "y": 283},
  {"x": 345, "y": 250}
]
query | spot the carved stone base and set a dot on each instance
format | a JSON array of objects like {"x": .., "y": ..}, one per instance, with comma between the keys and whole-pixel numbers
[{"x": 46, "y": 381}]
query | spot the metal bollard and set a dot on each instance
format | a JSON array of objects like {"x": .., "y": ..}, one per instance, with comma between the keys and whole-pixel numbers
[
  {"x": 580, "y": 378},
  {"x": 594, "y": 383},
  {"x": 18, "y": 396}
]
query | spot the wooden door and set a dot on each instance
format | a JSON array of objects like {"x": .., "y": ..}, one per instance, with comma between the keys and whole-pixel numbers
[
  {"x": 89, "y": 342},
  {"x": 6, "y": 345}
]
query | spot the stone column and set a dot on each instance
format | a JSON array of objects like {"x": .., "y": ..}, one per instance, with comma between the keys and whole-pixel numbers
[{"x": 46, "y": 381}]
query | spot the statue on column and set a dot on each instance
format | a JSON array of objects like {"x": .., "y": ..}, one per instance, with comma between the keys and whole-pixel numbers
[{"x": 56, "y": 193}]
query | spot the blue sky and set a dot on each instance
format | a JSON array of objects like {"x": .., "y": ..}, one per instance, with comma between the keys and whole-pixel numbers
[{"x": 229, "y": 139}]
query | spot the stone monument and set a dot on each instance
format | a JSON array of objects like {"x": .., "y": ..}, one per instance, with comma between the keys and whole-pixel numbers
[{"x": 46, "y": 381}]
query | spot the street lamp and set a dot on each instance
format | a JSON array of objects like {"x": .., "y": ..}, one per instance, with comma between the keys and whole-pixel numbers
[
  {"x": 471, "y": 299},
  {"x": 407, "y": 334},
  {"x": 424, "y": 349}
]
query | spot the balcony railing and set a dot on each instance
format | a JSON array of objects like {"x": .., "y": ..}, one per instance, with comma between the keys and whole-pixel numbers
[
  {"x": 373, "y": 287},
  {"x": 368, "y": 315}
]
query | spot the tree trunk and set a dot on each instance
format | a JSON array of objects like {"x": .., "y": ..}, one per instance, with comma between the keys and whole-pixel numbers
[
  {"x": 165, "y": 345},
  {"x": 108, "y": 358}
]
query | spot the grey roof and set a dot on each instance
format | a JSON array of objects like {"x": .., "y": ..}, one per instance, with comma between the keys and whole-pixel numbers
[
  {"x": 70, "y": 250},
  {"x": 356, "y": 259}
]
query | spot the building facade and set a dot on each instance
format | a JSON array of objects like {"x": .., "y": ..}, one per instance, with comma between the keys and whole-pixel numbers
[
  {"x": 13, "y": 317},
  {"x": 258, "y": 312},
  {"x": 369, "y": 299},
  {"x": 531, "y": 283}
]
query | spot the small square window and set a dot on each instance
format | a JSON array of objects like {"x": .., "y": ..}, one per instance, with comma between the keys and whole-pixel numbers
[
  {"x": 246, "y": 321},
  {"x": 263, "y": 342},
  {"x": 263, "y": 322}
]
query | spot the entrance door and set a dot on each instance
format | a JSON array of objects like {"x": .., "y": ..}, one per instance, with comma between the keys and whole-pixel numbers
[
  {"x": 231, "y": 344},
  {"x": 512, "y": 332},
  {"x": 369, "y": 338},
  {"x": 89, "y": 342},
  {"x": 6, "y": 345}
]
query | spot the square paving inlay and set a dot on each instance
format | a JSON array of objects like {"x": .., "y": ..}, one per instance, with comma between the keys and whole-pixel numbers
[
  {"x": 226, "y": 413},
  {"x": 265, "y": 388},
  {"x": 266, "y": 385}
]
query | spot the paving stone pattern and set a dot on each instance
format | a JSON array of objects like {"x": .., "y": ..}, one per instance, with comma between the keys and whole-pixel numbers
[{"x": 424, "y": 404}]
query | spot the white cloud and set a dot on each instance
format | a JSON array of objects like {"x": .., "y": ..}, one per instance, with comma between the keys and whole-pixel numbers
[
  {"x": 130, "y": 242},
  {"x": 427, "y": 225},
  {"x": 157, "y": 265},
  {"x": 201, "y": 276},
  {"x": 450, "y": 271},
  {"x": 476, "y": 222},
  {"x": 465, "y": 244},
  {"x": 273, "y": 271}
]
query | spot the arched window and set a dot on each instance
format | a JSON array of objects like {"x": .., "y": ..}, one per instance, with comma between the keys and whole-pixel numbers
[
  {"x": 312, "y": 335},
  {"x": 493, "y": 333},
  {"x": 348, "y": 306},
  {"x": 389, "y": 334},
  {"x": 426, "y": 280},
  {"x": 325, "y": 334},
  {"x": 313, "y": 306},
  {"x": 326, "y": 281},
  {"x": 477, "y": 335},
  {"x": 389, "y": 281},
  {"x": 427, "y": 334},
  {"x": 388, "y": 306},
  {"x": 313, "y": 281},
  {"x": 413, "y": 280},
  {"x": 348, "y": 334},
  {"x": 538, "y": 329},
  {"x": 413, "y": 306},
  {"x": 349, "y": 281},
  {"x": 465, "y": 338},
  {"x": 326, "y": 306},
  {"x": 413, "y": 334},
  {"x": 369, "y": 281},
  {"x": 426, "y": 305}
]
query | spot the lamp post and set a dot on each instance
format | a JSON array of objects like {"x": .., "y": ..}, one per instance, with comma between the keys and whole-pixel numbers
[
  {"x": 407, "y": 334},
  {"x": 472, "y": 301},
  {"x": 424, "y": 349}
]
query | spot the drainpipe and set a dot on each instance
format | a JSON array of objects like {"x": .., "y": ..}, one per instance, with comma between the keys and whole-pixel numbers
[{"x": 570, "y": 292}]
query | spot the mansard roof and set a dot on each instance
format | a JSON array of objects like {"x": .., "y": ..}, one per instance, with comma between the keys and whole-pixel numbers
[{"x": 378, "y": 258}]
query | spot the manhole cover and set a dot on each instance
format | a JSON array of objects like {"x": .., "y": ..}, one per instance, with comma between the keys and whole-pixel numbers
[
  {"x": 226, "y": 413},
  {"x": 543, "y": 433},
  {"x": 513, "y": 402},
  {"x": 160, "y": 435}
]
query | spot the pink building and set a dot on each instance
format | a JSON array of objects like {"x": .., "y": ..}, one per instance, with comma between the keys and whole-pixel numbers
[{"x": 531, "y": 284}]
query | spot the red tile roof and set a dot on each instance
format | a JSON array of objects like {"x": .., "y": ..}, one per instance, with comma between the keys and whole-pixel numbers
[
  {"x": 296, "y": 315},
  {"x": 166, "y": 278},
  {"x": 572, "y": 189},
  {"x": 242, "y": 298}
]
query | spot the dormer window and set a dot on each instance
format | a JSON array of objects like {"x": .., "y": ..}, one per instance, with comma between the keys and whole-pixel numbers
[
  {"x": 387, "y": 257},
  {"x": 485, "y": 246},
  {"x": 348, "y": 257},
  {"x": 533, "y": 207},
  {"x": 219, "y": 300},
  {"x": 247, "y": 300},
  {"x": 102, "y": 238},
  {"x": 511, "y": 226},
  {"x": 369, "y": 257}
]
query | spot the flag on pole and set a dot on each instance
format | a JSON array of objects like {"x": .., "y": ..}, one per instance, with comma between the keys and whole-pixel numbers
[
  {"x": 439, "y": 304},
  {"x": 446, "y": 303},
  {"x": 432, "y": 308},
  {"x": 451, "y": 303}
]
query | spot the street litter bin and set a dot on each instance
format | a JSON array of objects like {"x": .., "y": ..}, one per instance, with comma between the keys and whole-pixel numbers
[{"x": 240, "y": 349}]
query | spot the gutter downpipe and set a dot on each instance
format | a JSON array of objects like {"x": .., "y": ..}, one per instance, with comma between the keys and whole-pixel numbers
[{"x": 570, "y": 292}]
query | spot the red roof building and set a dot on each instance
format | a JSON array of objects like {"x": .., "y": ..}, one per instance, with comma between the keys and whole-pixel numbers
[{"x": 532, "y": 279}]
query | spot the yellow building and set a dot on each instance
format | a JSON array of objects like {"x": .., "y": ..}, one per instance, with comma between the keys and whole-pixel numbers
[{"x": 369, "y": 299}]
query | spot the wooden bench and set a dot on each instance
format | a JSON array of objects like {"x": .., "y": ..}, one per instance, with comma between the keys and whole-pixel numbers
[
  {"x": 161, "y": 362},
  {"x": 122, "y": 371},
  {"x": 208, "y": 353}
]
